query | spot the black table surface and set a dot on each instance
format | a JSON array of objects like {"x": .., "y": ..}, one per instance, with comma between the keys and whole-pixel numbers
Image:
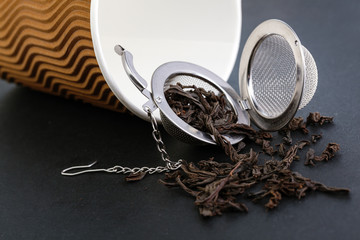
[{"x": 41, "y": 134}]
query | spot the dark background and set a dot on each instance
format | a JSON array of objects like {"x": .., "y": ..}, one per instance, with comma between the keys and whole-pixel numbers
[{"x": 40, "y": 135}]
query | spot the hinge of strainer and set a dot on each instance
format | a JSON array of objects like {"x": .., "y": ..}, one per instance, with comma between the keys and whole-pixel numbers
[{"x": 244, "y": 103}]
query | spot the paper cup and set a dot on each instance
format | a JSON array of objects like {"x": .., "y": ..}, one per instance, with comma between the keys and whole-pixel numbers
[{"x": 66, "y": 48}]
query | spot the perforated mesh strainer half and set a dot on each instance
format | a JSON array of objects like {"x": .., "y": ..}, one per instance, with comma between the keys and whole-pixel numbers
[{"x": 277, "y": 76}]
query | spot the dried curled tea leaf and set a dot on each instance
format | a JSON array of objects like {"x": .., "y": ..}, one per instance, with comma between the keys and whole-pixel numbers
[
  {"x": 212, "y": 196},
  {"x": 301, "y": 144},
  {"x": 189, "y": 104},
  {"x": 220, "y": 169},
  {"x": 291, "y": 184},
  {"x": 310, "y": 156},
  {"x": 216, "y": 186},
  {"x": 281, "y": 150},
  {"x": 132, "y": 177},
  {"x": 315, "y": 137},
  {"x": 266, "y": 146},
  {"x": 287, "y": 138},
  {"x": 328, "y": 153},
  {"x": 241, "y": 145},
  {"x": 316, "y": 118},
  {"x": 289, "y": 157},
  {"x": 297, "y": 123}
]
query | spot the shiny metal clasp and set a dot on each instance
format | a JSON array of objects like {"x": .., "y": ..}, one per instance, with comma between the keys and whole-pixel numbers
[
  {"x": 66, "y": 172},
  {"x": 136, "y": 79}
]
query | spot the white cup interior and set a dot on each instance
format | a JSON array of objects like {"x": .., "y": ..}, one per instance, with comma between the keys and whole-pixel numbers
[{"x": 204, "y": 32}]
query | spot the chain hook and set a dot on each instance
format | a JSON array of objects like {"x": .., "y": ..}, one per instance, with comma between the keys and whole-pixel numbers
[
  {"x": 169, "y": 165},
  {"x": 66, "y": 172}
]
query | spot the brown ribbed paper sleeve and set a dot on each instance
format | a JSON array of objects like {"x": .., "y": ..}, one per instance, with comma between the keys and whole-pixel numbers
[{"x": 46, "y": 45}]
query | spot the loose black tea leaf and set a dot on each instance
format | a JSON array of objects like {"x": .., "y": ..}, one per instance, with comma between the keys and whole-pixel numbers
[
  {"x": 213, "y": 184},
  {"x": 310, "y": 157},
  {"x": 328, "y": 153},
  {"x": 281, "y": 150},
  {"x": 241, "y": 145},
  {"x": 301, "y": 144},
  {"x": 316, "y": 118},
  {"x": 132, "y": 177},
  {"x": 216, "y": 186},
  {"x": 291, "y": 184},
  {"x": 315, "y": 137},
  {"x": 287, "y": 139},
  {"x": 296, "y": 123}
]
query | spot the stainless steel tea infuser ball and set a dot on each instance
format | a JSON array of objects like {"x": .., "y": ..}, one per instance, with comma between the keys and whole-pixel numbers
[
  {"x": 187, "y": 74},
  {"x": 277, "y": 76}
]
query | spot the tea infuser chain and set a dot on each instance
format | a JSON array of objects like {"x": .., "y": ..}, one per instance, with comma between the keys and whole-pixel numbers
[{"x": 169, "y": 165}]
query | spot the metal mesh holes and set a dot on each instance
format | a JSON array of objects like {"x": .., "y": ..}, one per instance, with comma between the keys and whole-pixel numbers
[
  {"x": 273, "y": 76},
  {"x": 311, "y": 78}
]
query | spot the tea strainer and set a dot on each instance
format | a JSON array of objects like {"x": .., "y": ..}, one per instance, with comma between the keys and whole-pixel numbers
[{"x": 277, "y": 76}]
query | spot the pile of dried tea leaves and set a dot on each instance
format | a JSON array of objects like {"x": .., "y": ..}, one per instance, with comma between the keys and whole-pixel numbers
[{"x": 218, "y": 186}]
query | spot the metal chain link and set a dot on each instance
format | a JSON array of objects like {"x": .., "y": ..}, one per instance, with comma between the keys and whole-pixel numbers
[
  {"x": 169, "y": 165},
  {"x": 160, "y": 144}
]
